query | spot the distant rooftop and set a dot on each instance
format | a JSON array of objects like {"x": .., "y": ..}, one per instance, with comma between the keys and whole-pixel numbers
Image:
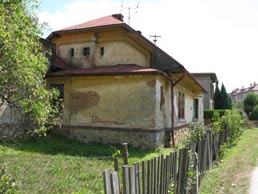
[{"x": 252, "y": 87}]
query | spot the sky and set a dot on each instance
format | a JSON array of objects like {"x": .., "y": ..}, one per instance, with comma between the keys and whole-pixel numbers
[{"x": 217, "y": 36}]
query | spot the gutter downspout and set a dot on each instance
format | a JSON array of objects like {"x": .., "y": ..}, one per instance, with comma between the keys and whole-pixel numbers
[{"x": 172, "y": 102}]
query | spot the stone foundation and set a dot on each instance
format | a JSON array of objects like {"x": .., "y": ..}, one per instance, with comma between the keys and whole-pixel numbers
[
  {"x": 142, "y": 138},
  {"x": 180, "y": 133}
]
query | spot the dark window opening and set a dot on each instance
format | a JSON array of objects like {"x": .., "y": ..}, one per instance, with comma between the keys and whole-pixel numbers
[
  {"x": 181, "y": 106},
  {"x": 72, "y": 52},
  {"x": 86, "y": 51},
  {"x": 59, "y": 101},
  {"x": 196, "y": 109},
  {"x": 162, "y": 98},
  {"x": 101, "y": 51}
]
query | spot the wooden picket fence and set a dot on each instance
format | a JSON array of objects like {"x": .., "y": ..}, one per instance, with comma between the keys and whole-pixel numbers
[{"x": 179, "y": 172}]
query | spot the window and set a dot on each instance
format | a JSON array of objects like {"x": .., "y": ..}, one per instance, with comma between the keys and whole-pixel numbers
[
  {"x": 162, "y": 98},
  {"x": 181, "y": 106},
  {"x": 72, "y": 52},
  {"x": 101, "y": 51},
  {"x": 196, "y": 109},
  {"x": 86, "y": 51},
  {"x": 60, "y": 89}
]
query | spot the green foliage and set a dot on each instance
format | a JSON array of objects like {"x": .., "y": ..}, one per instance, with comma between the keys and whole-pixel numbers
[
  {"x": 197, "y": 130},
  {"x": 250, "y": 101},
  {"x": 23, "y": 65},
  {"x": 254, "y": 114},
  {"x": 7, "y": 184},
  {"x": 221, "y": 98},
  {"x": 116, "y": 152},
  {"x": 217, "y": 98},
  {"x": 208, "y": 114},
  {"x": 216, "y": 125},
  {"x": 233, "y": 121}
]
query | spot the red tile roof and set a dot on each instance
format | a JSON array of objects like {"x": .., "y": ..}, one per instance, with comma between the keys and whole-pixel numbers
[
  {"x": 110, "y": 70},
  {"x": 103, "y": 21}
]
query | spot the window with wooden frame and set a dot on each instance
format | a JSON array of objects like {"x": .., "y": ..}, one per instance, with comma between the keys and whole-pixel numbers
[
  {"x": 181, "y": 106},
  {"x": 86, "y": 51}
]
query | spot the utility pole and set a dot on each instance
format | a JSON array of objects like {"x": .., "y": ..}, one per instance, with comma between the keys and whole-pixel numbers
[{"x": 155, "y": 38}]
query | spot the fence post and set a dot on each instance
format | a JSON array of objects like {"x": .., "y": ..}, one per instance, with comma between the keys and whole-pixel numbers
[
  {"x": 107, "y": 182},
  {"x": 125, "y": 153},
  {"x": 115, "y": 183},
  {"x": 126, "y": 184}
]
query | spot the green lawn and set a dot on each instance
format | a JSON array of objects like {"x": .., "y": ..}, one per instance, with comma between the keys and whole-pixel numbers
[
  {"x": 59, "y": 165},
  {"x": 231, "y": 175}
]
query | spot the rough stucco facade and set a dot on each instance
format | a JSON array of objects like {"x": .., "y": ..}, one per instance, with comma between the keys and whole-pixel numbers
[{"x": 112, "y": 93}]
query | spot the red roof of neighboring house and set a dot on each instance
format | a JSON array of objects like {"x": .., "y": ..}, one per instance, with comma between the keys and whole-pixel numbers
[
  {"x": 110, "y": 70},
  {"x": 103, "y": 21}
]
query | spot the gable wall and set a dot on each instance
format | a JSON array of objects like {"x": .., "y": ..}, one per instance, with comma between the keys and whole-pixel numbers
[{"x": 119, "y": 48}]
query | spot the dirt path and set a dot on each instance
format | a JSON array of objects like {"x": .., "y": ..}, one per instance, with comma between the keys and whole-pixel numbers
[{"x": 254, "y": 182}]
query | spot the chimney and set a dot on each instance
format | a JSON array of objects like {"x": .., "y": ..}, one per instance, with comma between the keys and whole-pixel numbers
[{"x": 118, "y": 16}]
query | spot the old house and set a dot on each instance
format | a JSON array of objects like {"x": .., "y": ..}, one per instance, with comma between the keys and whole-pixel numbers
[
  {"x": 208, "y": 81},
  {"x": 117, "y": 86}
]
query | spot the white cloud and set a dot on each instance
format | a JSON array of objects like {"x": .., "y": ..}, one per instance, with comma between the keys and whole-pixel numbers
[{"x": 205, "y": 36}]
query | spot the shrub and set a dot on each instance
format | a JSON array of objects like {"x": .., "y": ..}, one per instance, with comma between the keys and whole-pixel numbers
[
  {"x": 250, "y": 101},
  {"x": 232, "y": 120},
  {"x": 197, "y": 130},
  {"x": 208, "y": 114},
  {"x": 254, "y": 114}
]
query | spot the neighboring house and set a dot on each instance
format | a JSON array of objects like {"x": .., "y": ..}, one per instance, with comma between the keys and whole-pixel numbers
[
  {"x": 238, "y": 95},
  {"x": 208, "y": 81},
  {"x": 117, "y": 86}
]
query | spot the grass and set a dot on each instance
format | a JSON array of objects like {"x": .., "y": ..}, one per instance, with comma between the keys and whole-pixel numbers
[
  {"x": 232, "y": 174},
  {"x": 54, "y": 164}
]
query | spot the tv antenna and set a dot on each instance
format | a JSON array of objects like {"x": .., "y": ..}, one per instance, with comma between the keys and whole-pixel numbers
[
  {"x": 129, "y": 10},
  {"x": 155, "y": 38}
]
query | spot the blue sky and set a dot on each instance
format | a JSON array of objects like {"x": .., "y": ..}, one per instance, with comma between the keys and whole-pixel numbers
[{"x": 219, "y": 36}]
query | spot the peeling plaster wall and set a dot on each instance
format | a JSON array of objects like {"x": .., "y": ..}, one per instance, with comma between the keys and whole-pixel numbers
[
  {"x": 115, "y": 109},
  {"x": 116, "y": 101}
]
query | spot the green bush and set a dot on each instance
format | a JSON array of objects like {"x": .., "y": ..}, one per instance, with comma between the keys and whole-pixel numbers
[
  {"x": 232, "y": 120},
  {"x": 254, "y": 114},
  {"x": 208, "y": 114}
]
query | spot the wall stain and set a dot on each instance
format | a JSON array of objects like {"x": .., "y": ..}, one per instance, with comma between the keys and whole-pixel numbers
[
  {"x": 83, "y": 100},
  {"x": 151, "y": 83}
]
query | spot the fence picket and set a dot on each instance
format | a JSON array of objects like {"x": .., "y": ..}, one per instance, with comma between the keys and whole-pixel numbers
[
  {"x": 157, "y": 174},
  {"x": 115, "y": 183},
  {"x": 144, "y": 178},
  {"x": 126, "y": 183},
  {"x": 107, "y": 182}
]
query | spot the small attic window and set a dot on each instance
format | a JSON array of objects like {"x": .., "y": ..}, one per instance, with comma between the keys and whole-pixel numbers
[
  {"x": 72, "y": 52},
  {"x": 101, "y": 51},
  {"x": 86, "y": 51}
]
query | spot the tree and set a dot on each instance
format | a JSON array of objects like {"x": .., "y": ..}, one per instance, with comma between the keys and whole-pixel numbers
[
  {"x": 217, "y": 98},
  {"x": 250, "y": 101},
  {"x": 23, "y": 65},
  {"x": 225, "y": 98}
]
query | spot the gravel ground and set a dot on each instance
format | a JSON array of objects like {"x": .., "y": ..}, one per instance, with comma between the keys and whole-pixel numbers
[{"x": 254, "y": 182}]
